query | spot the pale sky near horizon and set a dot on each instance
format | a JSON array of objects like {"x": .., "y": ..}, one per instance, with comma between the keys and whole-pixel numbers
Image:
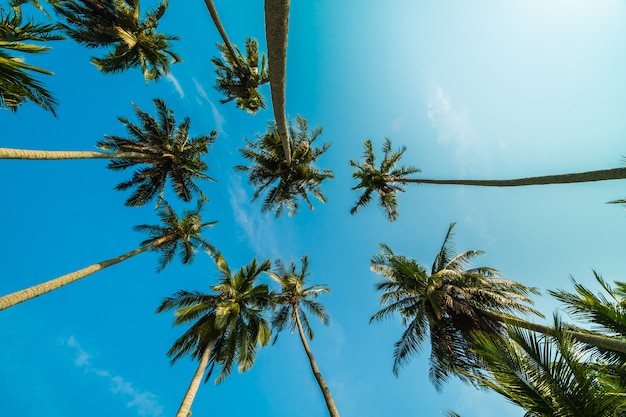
[{"x": 474, "y": 89}]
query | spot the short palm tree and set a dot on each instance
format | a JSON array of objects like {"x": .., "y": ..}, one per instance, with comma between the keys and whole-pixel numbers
[
  {"x": 164, "y": 148},
  {"x": 17, "y": 85},
  {"x": 387, "y": 180},
  {"x": 452, "y": 303},
  {"x": 238, "y": 78},
  {"x": 173, "y": 235},
  {"x": 295, "y": 296},
  {"x": 226, "y": 325},
  {"x": 284, "y": 183},
  {"x": 117, "y": 25}
]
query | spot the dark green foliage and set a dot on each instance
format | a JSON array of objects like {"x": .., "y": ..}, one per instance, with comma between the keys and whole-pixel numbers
[
  {"x": 282, "y": 183},
  {"x": 116, "y": 24},
  {"x": 167, "y": 151},
  {"x": 382, "y": 180},
  {"x": 239, "y": 78}
]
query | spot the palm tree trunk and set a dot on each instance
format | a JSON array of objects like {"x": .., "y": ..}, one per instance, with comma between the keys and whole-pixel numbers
[
  {"x": 330, "y": 404},
  {"x": 12, "y": 299},
  {"x": 276, "y": 28},
  {"x": 220, "y": 29},
  {"x": 604, "y": 342},
  {"x": 185, "y": 406},
  {"x": 8, "y": 153},
  {"x": 590, "y": 176}
]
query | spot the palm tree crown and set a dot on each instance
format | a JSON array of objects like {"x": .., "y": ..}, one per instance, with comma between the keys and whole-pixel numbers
[
  {"x": 168, "y": 151},
  {"x": 116, "y": 24},
  {"x": 450, "y": 304},
  {"x": 285, "y": 183}
]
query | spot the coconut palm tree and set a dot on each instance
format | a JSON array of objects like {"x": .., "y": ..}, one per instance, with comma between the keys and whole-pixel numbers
[
  {"x": 387, "y": 180},
  {"x": 238, "y": 78},
  {"x": 294, "y": 298},
  {"x": 117, "y": 25},
  {"x": 548, "y": 377},
  {"x": 164, "y": 149},
  {"x": 226, "y": 325},
  {"x": 285, "y": 183},
  {"x": 17, "y": 84},
  {"x": 276, "y": 29},
  {"x": 174, "y": 235}
]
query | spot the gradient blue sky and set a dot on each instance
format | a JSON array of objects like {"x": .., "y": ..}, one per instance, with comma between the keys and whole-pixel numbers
[{"x": 473, "y": 89}]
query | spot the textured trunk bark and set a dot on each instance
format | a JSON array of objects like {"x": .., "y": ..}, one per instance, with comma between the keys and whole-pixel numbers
[
  {"x": 276, "y": 28},
  {"x": 590, "y": 176},
  {"x": 185, "y": 406},
  {"x": 220, "y": 29},
  {"x": 35, "y": 291},
  {"x": 8, "y": 153},
  {"x": 330, "y": 404},
  {"x": 591, "y": 339}
]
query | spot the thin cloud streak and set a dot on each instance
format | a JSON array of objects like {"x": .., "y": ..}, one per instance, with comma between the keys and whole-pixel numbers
[
  {"x": 218, "y": 118},
  {"x": 176, "y": 85},
  {"x": 146, "y": 403}
]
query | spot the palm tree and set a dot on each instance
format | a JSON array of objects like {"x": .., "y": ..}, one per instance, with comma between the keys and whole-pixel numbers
[
  {"x": 449, "y": 303},
  {"x": 548, "y": 377},
  {"x": 285, "y": 183},
  {"x": 165, "y": 148},
  {"x": 276, "y": 29},
  {"x": 228, "y": 324},
  {"x": 17, "y": 85},
  {"x": 116, "y": 24},
  {"x": 293, "y": 297},
  {"x": 238, "y": 78},
  {"x": 387, "y": 179},
  {"x": 173, "y": 236}
]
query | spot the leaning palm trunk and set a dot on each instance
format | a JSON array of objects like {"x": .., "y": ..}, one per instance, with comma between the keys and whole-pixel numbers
[
  {"x": 604, "y": 342},
  {"x": 330, "y": 404},
  {"x": 8, "y": 153},
  {"x": 185, "y": 406},
  {"x": 35, "y": 291},
  {"x": 220, "y": 29},
  {"x": 590, "y": 176},
  {"x": 276, "y": 28}
]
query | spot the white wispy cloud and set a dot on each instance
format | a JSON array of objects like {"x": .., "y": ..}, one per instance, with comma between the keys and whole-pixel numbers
[
  {"x": 218, "y": 118},
  {"x": 258, "y": 228},
  {"x": 176, "y": 85},
  {"x": 146, "y": 403}
]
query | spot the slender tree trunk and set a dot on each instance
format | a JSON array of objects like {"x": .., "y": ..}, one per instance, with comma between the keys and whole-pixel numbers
[
  {"x": 220, "y": 29},
  {"x": 12, "y": 299},
  {"x": 330, "y": 404},
  {"x": 8, "y": 153},
  {"x": 185, "y": 406},
  {"x": 600, "y": 341},
  {"x": 590, "y": 176},
  {"x": 276, "y": 28}
]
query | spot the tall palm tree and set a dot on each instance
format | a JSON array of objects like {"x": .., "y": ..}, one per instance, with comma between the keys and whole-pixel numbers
[
  {"x": 173, "y": 235},
  {"x": 164, "y": 148},
  {"x": 276, "y": 30},
  {"x": 295, "y": 296},
  {"x": 238, "y": 78},
  {"x": 17, "y": 85},
  {"x": 548, "y": 377},
  {"x": 285, "y": 183},
  {"x": 227, "y": 325},
  {"x": 387, "y": 180},
  {"x": 117, "y": 24}
]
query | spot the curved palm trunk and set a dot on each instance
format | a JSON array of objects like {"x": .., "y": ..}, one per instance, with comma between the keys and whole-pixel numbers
[
  {"x": 185, "y": 406},
  {"x": 9, "y": 153},
  {"x": 12, "y": 299},
  {"x": 220, "y": 29},
  {"x": 589, "y": 176},
  {"x": 604, "y": 342},
  {"x": 276, "y": 28},
  {"x": 330, "y": 404}
]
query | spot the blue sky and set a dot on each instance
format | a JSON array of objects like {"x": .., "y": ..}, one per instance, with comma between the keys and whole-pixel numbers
[{"x": 475, "y": 89}]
